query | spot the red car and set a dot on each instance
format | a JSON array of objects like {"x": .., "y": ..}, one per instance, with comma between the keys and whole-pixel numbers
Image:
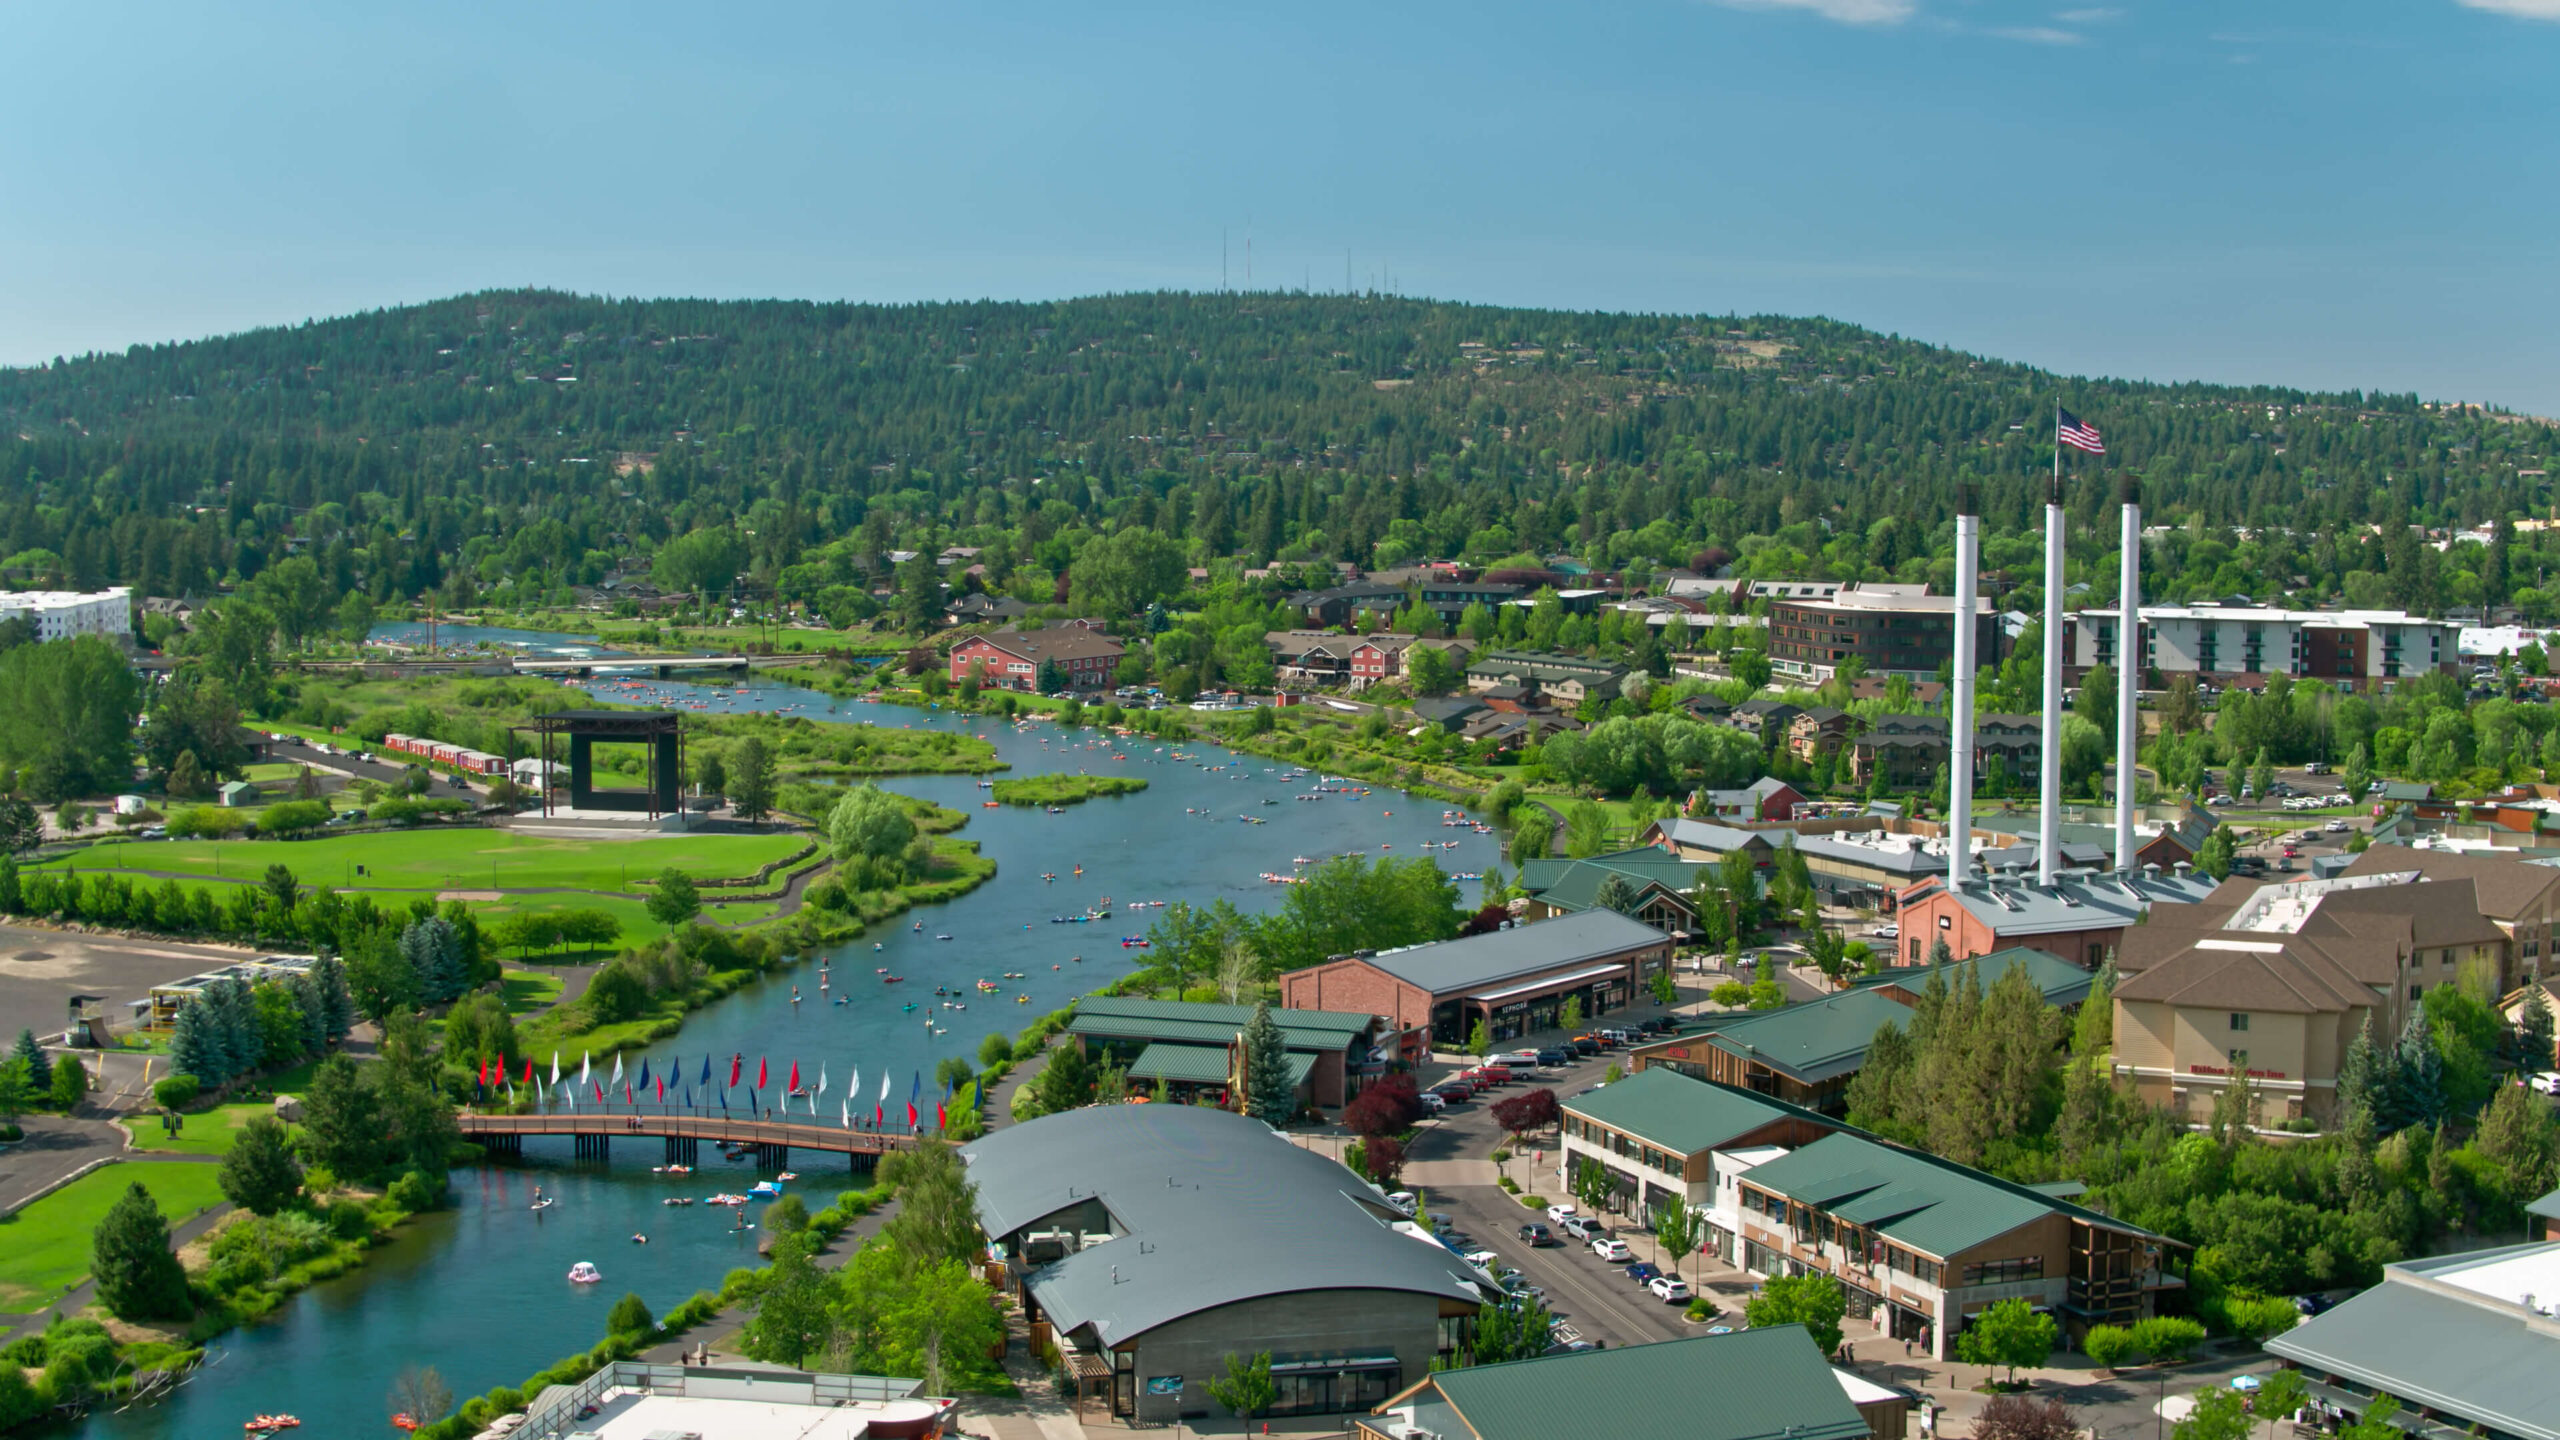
[{"x": 1492, "y": 1074}]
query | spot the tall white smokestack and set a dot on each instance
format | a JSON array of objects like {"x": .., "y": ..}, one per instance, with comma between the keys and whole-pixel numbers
[
  {"x": 2129, "y": 671},
  {"x": 2049, "y": 797},
  {"x": 1960, "y": 712}
]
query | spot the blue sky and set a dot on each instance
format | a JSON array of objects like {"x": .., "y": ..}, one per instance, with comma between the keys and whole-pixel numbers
[{"x": 2355, "y": 192}]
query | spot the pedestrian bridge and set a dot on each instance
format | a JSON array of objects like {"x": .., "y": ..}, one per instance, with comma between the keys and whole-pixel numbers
[{"x": 682, "y": 1134}]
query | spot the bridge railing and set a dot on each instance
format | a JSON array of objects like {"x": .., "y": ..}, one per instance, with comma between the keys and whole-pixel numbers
[{"x": 688, "y": 1127}]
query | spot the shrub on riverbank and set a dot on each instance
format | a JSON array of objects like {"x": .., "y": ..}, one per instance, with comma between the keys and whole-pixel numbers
[{"x": 1064, "y": 789}]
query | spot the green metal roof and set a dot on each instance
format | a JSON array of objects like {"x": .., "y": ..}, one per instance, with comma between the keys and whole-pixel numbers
[
  {"x": 1663, "y": 1107},
  {"x": 1116, "y": 1018},
  {"x": 1195, "y": 1064},
  {"x": 2061, "y": 982},
  {"x": 1813, "y": 1042},
  {"x": 1349, "y": 1021},
  {"x": 1933, "y": 1206},
  {"x": 1750, "y": 1385}
]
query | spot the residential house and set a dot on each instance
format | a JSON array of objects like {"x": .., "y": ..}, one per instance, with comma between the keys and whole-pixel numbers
[
  {"x": 1383, "y": 657},
  {"x": 1765, "y": 799},
  {"x": 1311, "y": 657},
  {"x": 1768, "y": 719},
  {"x": 1449, "y": 599},
  {"x": 1566, "y": 679},
  {"x": 1818, "y": 731},
  {"x": 1339, "y": 606},
  {"x": 973, "y": 609}
]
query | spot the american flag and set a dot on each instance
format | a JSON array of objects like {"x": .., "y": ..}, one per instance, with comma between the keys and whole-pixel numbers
[{"x": 2071, "y": 430}]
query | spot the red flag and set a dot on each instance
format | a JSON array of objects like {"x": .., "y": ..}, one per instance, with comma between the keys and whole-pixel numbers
[
  {"x": 599, "y": 1092},
  {"x": 795, "y": 1075},
  {"x": 911, "y": 1114},
  {"x": 878, "y": 1114},
  {"x": 528, "y": 1069},
  {"x": 627, "y": 1097},
  {"x": 662, "y": 1089},
  {"x": 735, "y": 1064},
  {"x": 760, "y": 1072},
  {"x": 941, "y": 1119},
  {"x": 482, "y": 1078}
]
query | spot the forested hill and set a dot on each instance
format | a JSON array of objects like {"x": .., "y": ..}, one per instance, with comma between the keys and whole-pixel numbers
[{"x": 545, "y": 433}]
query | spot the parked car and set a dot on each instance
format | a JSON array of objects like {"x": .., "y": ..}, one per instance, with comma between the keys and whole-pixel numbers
[
  {"x": 1581, "y": 1227},
  {"x": 1585, "y": 1045},
  {"x": 1613, "y": 1251},
  {"x": 1887, "y": 932},
  {"x": 2547, "y": 1083},
  {"x": 1404, "y": 1200},
  {"x": 1433, "y": 1104},
  {"x": 1492, "y": 1074},
  {"x": 2316, "y": 767},
  {"x": 2336, "y": 827},
  {"x": 1555, "y": 1055},
  {"x": 1558, "y": 1214},
  {"x": 1669, "y": 1289},
  {"x": 1537, "y": 1235},
  {"x": 1642, "y": 1272},
  {"x": 2313, "y": 1304},
  {"x": 1516, "y": 1283},
  {"x": 1483, "y": 1260},
  {"x": 1515, "y": 1057}
]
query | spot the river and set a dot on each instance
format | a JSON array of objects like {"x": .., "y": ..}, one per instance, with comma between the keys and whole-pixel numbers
[{"x": 479, "y": 1291}]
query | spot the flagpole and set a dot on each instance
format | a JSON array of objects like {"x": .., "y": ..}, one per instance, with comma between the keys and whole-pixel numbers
[{"x": 2049, "y": 795}]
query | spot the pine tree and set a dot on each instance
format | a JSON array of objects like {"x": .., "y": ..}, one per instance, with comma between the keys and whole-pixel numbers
[
  {"x": 138, "y": 1278},
  {"x": 39, "y": 1064},
  {"x": 430, "y": 947},
  {"x": 2417, "y": 1088},
  {"x": 191, "y": 1046},
  {"x": 337, "y": 1004},
  {"x": 1616, "y": 894},
  {"x": 2363, "y": 1087},
  {"x": 1269, "y": 1097},
  {"x": 2534, "y": 1029},
  {"x": 235, "y": 1034}
]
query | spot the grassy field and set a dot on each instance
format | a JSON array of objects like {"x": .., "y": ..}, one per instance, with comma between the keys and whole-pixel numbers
[
  {"x": 524, "y": 990},
  {"x": 44, "y": 1248},
  {"x": 210, "y": 1133},
  {"x": 467, "y": 859}
]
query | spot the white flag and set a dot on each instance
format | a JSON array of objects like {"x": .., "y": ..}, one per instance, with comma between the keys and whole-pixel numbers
[
  {"x": 616, "y": 1083},
  {"x": 884, "y": 1088},
  {"x": 822, "y": 1079},
  {"x": 853, "y": 1086},
  {"x": 585, "y": 1059},
  {"x": 555, "y": 1067}
]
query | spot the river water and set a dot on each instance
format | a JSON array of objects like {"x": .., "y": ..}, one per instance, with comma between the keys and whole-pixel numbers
[{"x": 479, "y": 1291}]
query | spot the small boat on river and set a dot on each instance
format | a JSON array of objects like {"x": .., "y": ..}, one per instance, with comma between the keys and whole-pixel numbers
[{"x": 584, "y": 1273}]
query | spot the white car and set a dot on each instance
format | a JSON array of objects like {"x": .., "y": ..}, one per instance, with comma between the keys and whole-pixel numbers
[
  {"x": 2336, "y": 827},
  {"x": 1483, "y": 1260},
  {"x": 1669, "y": 1289},
  {"x": 1433, "y": 1104},
  {"x": 1558, "y": 1214},
  {"x": 1888, "y": 932},
  {"x": 1404, "y": 1200},
  {"x": 1613, "y": 1251},
  {"x": 2547, "y": 1083}
]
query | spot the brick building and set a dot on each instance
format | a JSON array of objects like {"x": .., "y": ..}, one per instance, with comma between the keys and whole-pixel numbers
[
  {"x": 2082, "y": 917},
  {"x": 1514, "y": 980},
  {"x": 1011, "y": 659},
  {"x": 1889, "y": 629}
]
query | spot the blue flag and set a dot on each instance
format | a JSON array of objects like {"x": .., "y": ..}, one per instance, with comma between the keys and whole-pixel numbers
[
  {"x": 643, "y": 1082},
  {"x": 724, "y": 1098},
  {"x": 705, "y": 1081}
]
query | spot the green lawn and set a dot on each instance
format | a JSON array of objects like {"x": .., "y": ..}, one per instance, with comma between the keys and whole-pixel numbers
[
  {"x": 525, "y": 990},
  {"x": 44, "y": 1248},
  {"x": 209, "y": 1133},
  {"x": 456, "y": 859}
]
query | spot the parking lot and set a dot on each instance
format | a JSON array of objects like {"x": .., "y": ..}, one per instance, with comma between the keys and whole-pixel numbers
[{"x": 1595, "y": 1297}]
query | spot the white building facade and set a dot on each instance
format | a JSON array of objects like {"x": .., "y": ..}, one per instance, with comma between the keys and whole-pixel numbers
[
  {"x": 2358, "y": 649},
  {"x": 63, "y": 614}
]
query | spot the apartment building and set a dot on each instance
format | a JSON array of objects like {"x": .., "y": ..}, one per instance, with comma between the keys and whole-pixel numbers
[
  {"x": 1919, "y": 1243},
  {"x": 2240, "y": 644},
  {"x": 64, "y": 614},
  {"x": 1888, "y": 629}
]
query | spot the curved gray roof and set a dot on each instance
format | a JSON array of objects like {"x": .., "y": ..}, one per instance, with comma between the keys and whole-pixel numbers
[{"x": 1209, "y": 1208}]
